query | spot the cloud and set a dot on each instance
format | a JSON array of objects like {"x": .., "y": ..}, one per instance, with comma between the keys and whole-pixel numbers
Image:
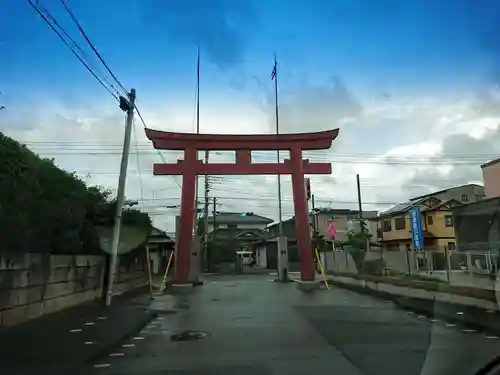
[
  {"x": 222, "y": 28},
  {"x": 400, "y": 148},
  {"x": 458, "y": 162},
  {"x": 309, "y": 107}
]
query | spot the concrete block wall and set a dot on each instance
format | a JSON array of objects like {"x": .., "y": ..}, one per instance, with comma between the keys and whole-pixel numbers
[
  {"x": 32, "y": 285},
  {"x": 131, "y": 274}
]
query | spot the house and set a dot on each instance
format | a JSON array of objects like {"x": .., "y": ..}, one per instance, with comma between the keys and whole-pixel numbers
[
  {"x": 160, "y": 243},
  {"x": 477, "y": 224},
  {"x": 437, "y": 224},
  {"x": 266, "y": 249},
  {"x": 463, "y": 193},
  {"x": 342, "y": 218},
  {"x": 237, "y": 220},
  {"x": 229, "y": 232}
]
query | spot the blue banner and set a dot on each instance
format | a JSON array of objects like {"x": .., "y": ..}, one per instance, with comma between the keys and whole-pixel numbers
[{"x": 417, "y": 236}]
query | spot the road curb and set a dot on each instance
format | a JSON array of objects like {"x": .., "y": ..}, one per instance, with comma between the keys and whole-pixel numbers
[{"x": 475, "y": 318}]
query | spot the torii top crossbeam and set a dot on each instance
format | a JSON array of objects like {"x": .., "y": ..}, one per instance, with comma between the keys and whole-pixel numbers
[{"x": 267, "y": 142}]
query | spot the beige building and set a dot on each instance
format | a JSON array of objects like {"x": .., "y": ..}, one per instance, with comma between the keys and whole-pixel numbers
[
  {"x": 437, "y": 225},
  {"x": 436, "y": 215},
  {"x": 464, "y": 193},
  {"x": 491, "y": 178},
  {"x": 342, "y": 217},
  {"x": 477, "y": 225}
]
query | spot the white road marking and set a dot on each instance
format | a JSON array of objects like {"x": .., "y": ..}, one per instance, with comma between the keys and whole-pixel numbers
[
  {"x": 491, "y": 337},
  {"x": 469, "y": 330},
  {"x": 451, "y": 325},
  {"x": 422, "y": 317},
  {"x": 89, "y": 343},
  {"x": 89, "y": 324},
  {"x": 460, "y": 313},
  {"x": 138, "y": 338},
  {"x": 435, "y": 320},
  {"x": 102, "y": 365},
  {"x": 160, "y": 318},
  {"x": 128, "y": 345},
  {"x": 116, "y": 354},
  {"x": 101, "y": 317},
  {"x": 76, "y": 330}
]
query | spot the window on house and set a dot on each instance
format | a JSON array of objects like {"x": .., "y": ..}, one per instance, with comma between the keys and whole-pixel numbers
[
  {"x": 386, "y": 226},
  {"x": 479, "y": 197},
  {"x": 430, "y": 220},
  {"x": 232, "y": 226},
  {"x": 451, "y": 246},
  {"x": 399, "y": 223},
  {"x": 448, "y": 220},
  {"x": 465, "y": 198}
]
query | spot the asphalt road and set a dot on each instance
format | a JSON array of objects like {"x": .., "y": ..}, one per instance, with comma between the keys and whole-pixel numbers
[{"x": 256, "y": 326}]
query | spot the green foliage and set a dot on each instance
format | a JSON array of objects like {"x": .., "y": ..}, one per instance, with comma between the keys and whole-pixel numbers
[
  {"x": 358, "y": 240},
  {"x": 318, "y": 242},
  {"x": 46, "y": 209}
]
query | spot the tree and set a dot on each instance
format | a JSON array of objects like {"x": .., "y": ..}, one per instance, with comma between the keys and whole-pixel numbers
[
  {"x": 356, "y": 241},
  {"x": 49, "y": 210}
]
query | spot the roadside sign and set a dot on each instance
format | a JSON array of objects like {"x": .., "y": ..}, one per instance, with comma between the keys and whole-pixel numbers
[
  {"x": 417, "y": 235},
  {"x": 331, "y": 228}
]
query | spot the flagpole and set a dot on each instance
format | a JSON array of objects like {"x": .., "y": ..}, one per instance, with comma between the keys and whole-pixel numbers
[
  {"x": 197, "y": 126},
  {"x": 195, "y": 267},
  {"x": 280, "y": 208}
]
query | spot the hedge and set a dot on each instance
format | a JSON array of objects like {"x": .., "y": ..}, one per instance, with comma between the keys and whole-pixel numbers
[{"x": 46, "y": 209}]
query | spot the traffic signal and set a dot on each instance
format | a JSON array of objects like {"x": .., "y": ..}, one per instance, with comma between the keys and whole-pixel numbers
[{"x": 308, "y": 188}]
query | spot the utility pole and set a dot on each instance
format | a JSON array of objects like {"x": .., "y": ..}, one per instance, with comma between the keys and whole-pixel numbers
[
  {"x": 274, "y": 76},
  {"x": 205, "y": 218},
  {"x": 282, "y": 244},
  {"x": 215, "y": 218},
  {"x": 361, "y": 221},
  {"x": 126, "y": 105},
  {"x": 314, "y": 213},
  {"x": 360, "y": 206},
  {"x": 195, "y": 253}
]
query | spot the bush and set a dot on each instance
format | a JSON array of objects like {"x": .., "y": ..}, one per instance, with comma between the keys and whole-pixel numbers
[{"x": 49, "y": 210}]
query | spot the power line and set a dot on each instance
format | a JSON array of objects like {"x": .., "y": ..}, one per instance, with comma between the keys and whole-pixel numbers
[
  {"x": 82, "y": 31},
  {"x": 72, "y": 49},
  {"x": 138, "y": 160},
  {"x": 75, "y": 44}
]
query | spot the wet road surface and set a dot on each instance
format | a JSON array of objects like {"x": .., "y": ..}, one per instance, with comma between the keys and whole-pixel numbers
[{"x": 250, "y": 325}]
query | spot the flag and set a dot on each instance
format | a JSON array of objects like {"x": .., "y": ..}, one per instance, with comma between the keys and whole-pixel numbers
[{"x": 273, "y": 73}]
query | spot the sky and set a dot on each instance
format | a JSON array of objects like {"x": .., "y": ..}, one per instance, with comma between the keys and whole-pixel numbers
[{"x": 412, "y": 85}]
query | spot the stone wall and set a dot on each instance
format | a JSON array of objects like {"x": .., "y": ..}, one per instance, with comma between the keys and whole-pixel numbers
[{"x": 32, "y": 285}]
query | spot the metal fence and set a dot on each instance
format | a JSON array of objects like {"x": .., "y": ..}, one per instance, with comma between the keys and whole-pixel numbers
[{"x": 460, "y": 268}]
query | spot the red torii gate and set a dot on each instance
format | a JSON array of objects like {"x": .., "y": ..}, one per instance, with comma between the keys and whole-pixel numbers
[{"x": 191, "y": 166}]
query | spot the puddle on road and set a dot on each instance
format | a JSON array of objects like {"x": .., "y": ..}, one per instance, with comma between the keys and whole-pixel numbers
[{"x": 189, "y": 336}]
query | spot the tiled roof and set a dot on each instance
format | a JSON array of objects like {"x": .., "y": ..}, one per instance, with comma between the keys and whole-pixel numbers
[{"x": 237, "y": 218}]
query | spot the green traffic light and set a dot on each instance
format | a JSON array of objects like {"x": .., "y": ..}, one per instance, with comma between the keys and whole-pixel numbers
[{"x": 243, "y": 214}]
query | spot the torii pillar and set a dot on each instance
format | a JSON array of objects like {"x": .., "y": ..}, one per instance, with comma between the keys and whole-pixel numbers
[{"x": 191, "y": 166}]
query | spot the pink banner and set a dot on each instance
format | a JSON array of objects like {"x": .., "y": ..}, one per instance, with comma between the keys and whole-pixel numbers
[{"x": 331, "y": 228}]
